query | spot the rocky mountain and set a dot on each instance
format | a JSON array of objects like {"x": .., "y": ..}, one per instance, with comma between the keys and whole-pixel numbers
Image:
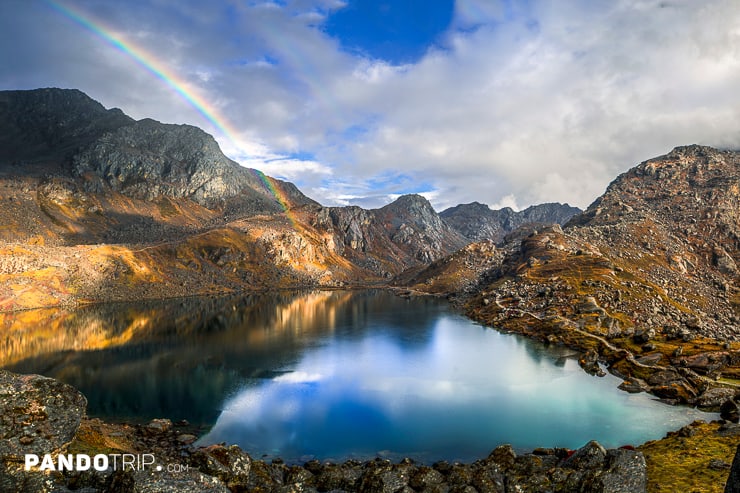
[
  {"x": 64, "y": 132},
  {"x": 477, "y": 221},
  {"x": 405, "y": 233},
  {"x": 96, "y": 205}
]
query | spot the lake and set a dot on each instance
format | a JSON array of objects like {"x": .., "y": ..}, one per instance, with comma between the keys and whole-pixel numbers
[{"x": 331, "y": 375}]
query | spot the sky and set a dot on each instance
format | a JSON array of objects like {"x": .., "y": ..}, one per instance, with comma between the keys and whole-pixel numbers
[{"x": 508, "y": 103}]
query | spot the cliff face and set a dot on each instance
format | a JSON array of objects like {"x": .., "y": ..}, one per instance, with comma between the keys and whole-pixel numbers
[
  {"x": 478, "y": 222},
  {"x": 147, "y": 159}
]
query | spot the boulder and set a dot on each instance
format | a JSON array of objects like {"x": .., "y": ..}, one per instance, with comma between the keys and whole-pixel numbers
[
  {"x": 634, "y": 385},
  {"x": 625, "y": 472},
  {"x": 150, "y": 481},
  {"x": 590, "y": 456},
  {"x": 714, "y": 397},
  {"x": 38, "y": 415},
  {"x": 229, "y": 464},
  {"x": 729, "y": 411}
]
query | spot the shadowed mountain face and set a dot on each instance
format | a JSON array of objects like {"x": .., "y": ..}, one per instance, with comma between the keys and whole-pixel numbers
[
  {"x": 478, "y": 222},
  {"x": 49, "y": 125},
  {"x": 99, "y": 206}
]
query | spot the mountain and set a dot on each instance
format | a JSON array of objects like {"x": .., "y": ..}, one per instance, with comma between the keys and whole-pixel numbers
[
  {"x": 477, "y": 221},
  {"x": 644, "y": 281},
  {"x": 98, "y": 206},
  {"x": 405, "y": 233}
]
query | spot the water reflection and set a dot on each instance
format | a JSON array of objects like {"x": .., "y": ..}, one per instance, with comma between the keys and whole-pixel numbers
[
  {"x": 182, "y": 358},
  {"x": 456, "y": 396},
  {"x": 329, "y": 374}
]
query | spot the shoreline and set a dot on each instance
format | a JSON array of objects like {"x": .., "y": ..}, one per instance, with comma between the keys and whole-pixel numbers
[{"x": 652, "y": 466}]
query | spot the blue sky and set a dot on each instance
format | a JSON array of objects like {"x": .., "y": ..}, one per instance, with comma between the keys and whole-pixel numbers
[
  {"x": 399, "y": 31},
  {"x": 509, "y": 103}
]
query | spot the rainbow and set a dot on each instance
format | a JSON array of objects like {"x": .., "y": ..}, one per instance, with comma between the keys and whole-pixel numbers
[
  {"x": 271, "y": 185},
  {"x": 178, "y": 84},
  {"x": 149, "y": 63}
]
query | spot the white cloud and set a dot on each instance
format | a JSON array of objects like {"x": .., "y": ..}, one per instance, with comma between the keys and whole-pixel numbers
[{"x": 523, "y": 103}]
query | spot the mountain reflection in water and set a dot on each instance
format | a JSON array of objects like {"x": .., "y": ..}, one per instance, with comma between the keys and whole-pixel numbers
[{"x": 330, "y": 374}]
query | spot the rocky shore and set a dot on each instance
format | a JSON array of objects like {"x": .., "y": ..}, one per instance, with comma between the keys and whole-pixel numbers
[{"x": 44, "y": 417}]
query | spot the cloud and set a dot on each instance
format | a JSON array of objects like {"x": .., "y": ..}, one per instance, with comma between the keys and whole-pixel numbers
[
  {"x": 552, "y": 105},
  {"x": 518, "y": 103}
]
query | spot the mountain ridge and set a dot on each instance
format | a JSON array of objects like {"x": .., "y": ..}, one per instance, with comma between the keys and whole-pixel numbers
[{"x": 478, "y": 221}]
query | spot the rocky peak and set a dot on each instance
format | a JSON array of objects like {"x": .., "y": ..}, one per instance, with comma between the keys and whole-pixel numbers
[
  {"x": 686, "y": 183},
  {"x": 64, "y": 132},
  {"x": 676, "y": 218},
  {"x": 148, "y": 159},
  {"x": 413, "y": 209}
]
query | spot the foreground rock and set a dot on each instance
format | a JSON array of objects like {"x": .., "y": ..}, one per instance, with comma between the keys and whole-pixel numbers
[
  {"x": 39, "y": 416},
  {"x": 222, "y": 468}
]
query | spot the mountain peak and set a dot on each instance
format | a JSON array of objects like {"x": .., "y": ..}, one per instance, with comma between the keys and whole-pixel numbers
[
  {"x": 50, "y": 124},
  {"x": 411, "y": 199}
]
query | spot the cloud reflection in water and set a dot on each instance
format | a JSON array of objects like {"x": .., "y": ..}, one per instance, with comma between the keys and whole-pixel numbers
[{"x": 454, "y": 395}]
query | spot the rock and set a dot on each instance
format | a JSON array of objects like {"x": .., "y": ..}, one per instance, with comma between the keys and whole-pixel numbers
[
  {"x": 425, "y": 478},
  {"x": 186, "y": 438},
  {"x": 159, "y": 425},
  {"x": 729, "y": 411},
  {"x": 729, "y": 430},
  {"x": 488, "y": 479},
  {"x": 704, "y": 363},
  {"x": 230, "y": 464},
  {"x": 589, "y": 361},
  {"x": 336, "y": 477},
  {"x": 713, "y": 398},
  {"x": 669, "y": 384},
  {"x": 694, "y": 323},
  {"x": 590, "y": 456},
  {"x": 150, "y": 481},
  {"x": 634, "y": 385},
  {"x": 649, "y": 359},
  {"x": 733, "y": 481},
  {"x": 503, "y": 456},
  {"x": 718, "y": 465},
  {"x": 625, "y": 472},
  {"x": 724, "y": 262},
  {"x": 381, "y": 478},
  {"x": 38, "y": 415},
  {"x": 644, "y": 336}
]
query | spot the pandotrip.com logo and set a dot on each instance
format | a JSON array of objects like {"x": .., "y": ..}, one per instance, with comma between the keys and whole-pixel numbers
[{"x": 98, "y": 462}]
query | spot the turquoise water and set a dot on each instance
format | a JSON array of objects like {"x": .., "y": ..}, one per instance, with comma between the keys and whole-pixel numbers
[{"x": 334, "y": 375}]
